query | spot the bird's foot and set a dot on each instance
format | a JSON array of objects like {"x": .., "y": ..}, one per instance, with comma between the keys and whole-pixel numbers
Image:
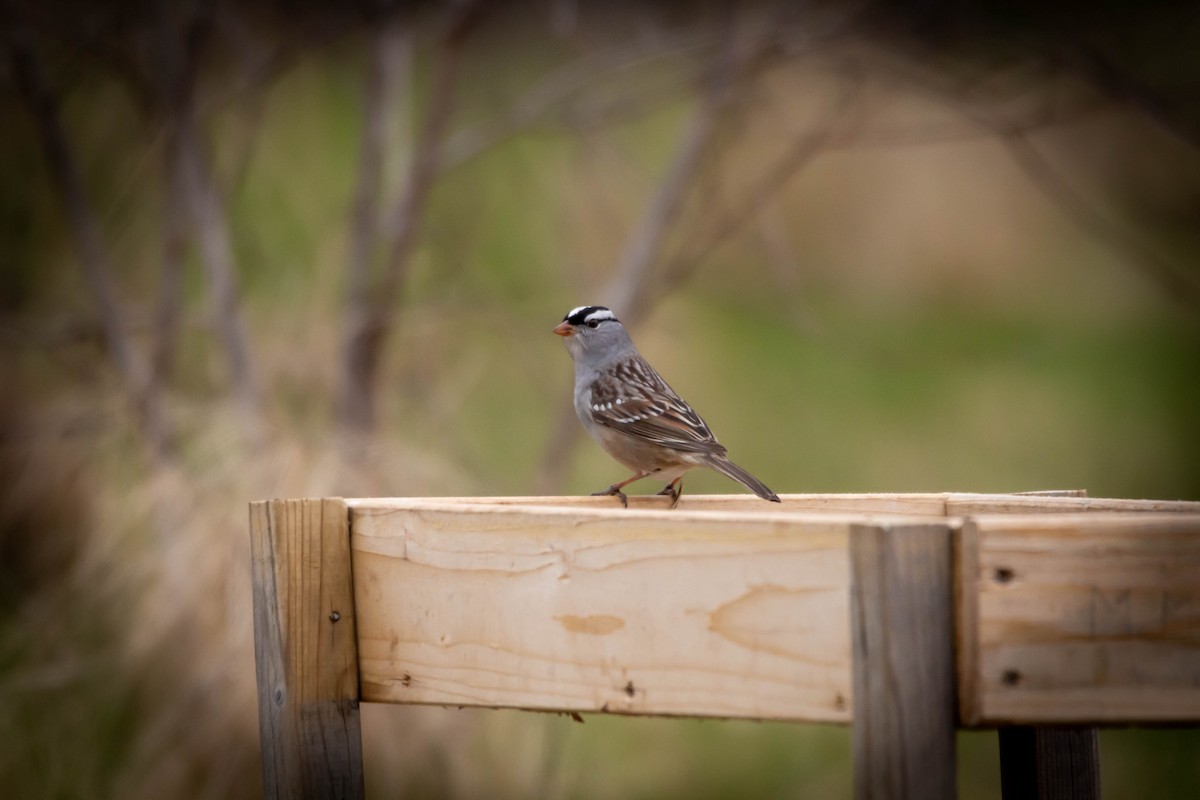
[
  {"x": 673, "y": 490},
  {"x": 614, "y": 489}
]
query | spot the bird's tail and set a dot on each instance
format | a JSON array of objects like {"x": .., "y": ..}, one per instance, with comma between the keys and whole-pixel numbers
[{"x": 732, "y": 470}]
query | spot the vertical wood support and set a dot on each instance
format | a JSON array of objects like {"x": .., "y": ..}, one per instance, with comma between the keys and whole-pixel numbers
[
  {"x": 1045, "y": 763},
  {"x": 306, "y": 650},
  {"x": 902, "y": 623}
]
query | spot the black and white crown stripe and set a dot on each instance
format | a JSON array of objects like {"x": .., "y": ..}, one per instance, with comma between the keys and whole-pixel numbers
[{"x": 588, "y": 315}]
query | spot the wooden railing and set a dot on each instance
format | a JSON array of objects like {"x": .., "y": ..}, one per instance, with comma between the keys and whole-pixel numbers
[{"x": 906, "y": 616}]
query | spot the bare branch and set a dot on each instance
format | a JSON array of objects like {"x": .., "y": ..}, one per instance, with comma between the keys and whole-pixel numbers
[
  {"x": 803, "y": 150},
  {"x": 260, "y": 61},
  {"x": 557, "y": 88},
  {"x": 371, "y": 312},
  {"x": 178, "y": 64},
  {"x": 170, "y": 303},
  {"x": 1124, "y": 87},
  {"x": 1177, "y": 284},
  {"x": 68, "y": 184},
  {"x": 392, "y": 52},
  {"x": 560, "y": 95},
  {"x": 1046, "y": 118},
  {"x": 210, "y": 221},
  {"x": 630, "y": 288},
  {"x": 626, "y": 291},
  {"x": 1174, "y": 280}
]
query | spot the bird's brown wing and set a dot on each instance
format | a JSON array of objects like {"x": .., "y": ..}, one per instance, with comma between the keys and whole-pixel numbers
[{"x": 632, "y": 398}]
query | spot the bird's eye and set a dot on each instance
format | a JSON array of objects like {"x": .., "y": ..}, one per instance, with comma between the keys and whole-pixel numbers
[{"x": 592, "y": 323}]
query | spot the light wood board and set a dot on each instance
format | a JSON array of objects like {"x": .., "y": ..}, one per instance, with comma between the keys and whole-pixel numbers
[
  {"x": 699, "y": 614},
  {"x": 932, "y": 504},
  {"x": 1051, "y": 503},
  {"x": 1082, "y": 618}
]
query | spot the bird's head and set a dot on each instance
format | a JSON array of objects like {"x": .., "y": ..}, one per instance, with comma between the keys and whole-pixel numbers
[{"x": 591, "y": 330}]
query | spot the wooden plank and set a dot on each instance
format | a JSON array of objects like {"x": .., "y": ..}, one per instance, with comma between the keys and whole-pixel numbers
[
  {"x": 903, "y": 634},
  {"x": 909, "y": 503},
  {"x": 932, "y": 504},
  {"x": 306, "y": 649},
  {"x": 1082, "y": 618},
  {"x": 958, "y": 505},
  {"x": 966, "y": 622},
  {"x": 633, "y": 612},
  {"x": 1046, "y": 763}
]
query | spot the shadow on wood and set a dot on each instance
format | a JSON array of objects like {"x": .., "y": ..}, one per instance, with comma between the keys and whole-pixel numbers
[{"x": 1045, "y": 763}]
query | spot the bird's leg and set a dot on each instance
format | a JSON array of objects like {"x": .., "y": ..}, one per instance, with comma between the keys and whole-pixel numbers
[
  {"x": 616, "y": 488},
  {"x": 673, "y": 490}
]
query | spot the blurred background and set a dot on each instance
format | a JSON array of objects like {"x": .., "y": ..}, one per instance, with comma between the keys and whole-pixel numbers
[{"x": 264, "y": 249}]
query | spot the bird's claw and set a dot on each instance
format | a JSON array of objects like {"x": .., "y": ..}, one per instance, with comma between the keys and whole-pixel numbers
[
  {"x": 673, "y": 490},
  {"x": 613, "y": 490}
]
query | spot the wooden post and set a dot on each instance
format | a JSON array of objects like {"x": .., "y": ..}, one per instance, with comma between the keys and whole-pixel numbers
[
  {"x": 306, "y": 651},
  {"x": 1045, "y": 763},
  {"x": 903, "y": 640}
]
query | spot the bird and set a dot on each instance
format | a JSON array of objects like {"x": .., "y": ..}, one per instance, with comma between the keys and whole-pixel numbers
[{"x": 634, "y": 415}]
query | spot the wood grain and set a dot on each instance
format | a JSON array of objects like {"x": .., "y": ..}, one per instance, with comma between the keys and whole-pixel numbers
[
  {"x": 1054, "y": 503},
  {"x": 903, "y": 634},
  {"x": 1046, "y": 763},
  {"x": 932, "y": 504},
  {"x": 638, "y": 612},
  {"x": 1079, "y": 618},
  {"x": 306, "y": 649}
]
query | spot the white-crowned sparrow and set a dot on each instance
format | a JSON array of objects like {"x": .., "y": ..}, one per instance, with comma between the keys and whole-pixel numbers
[{"x": 633, "y": 414}]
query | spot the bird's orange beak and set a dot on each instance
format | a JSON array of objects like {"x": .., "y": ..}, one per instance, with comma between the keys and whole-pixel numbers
[{"x": 565, "y": 329}]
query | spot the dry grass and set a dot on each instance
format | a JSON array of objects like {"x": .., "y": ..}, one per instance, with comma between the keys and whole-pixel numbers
[{"x": 126, "y": 657}]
